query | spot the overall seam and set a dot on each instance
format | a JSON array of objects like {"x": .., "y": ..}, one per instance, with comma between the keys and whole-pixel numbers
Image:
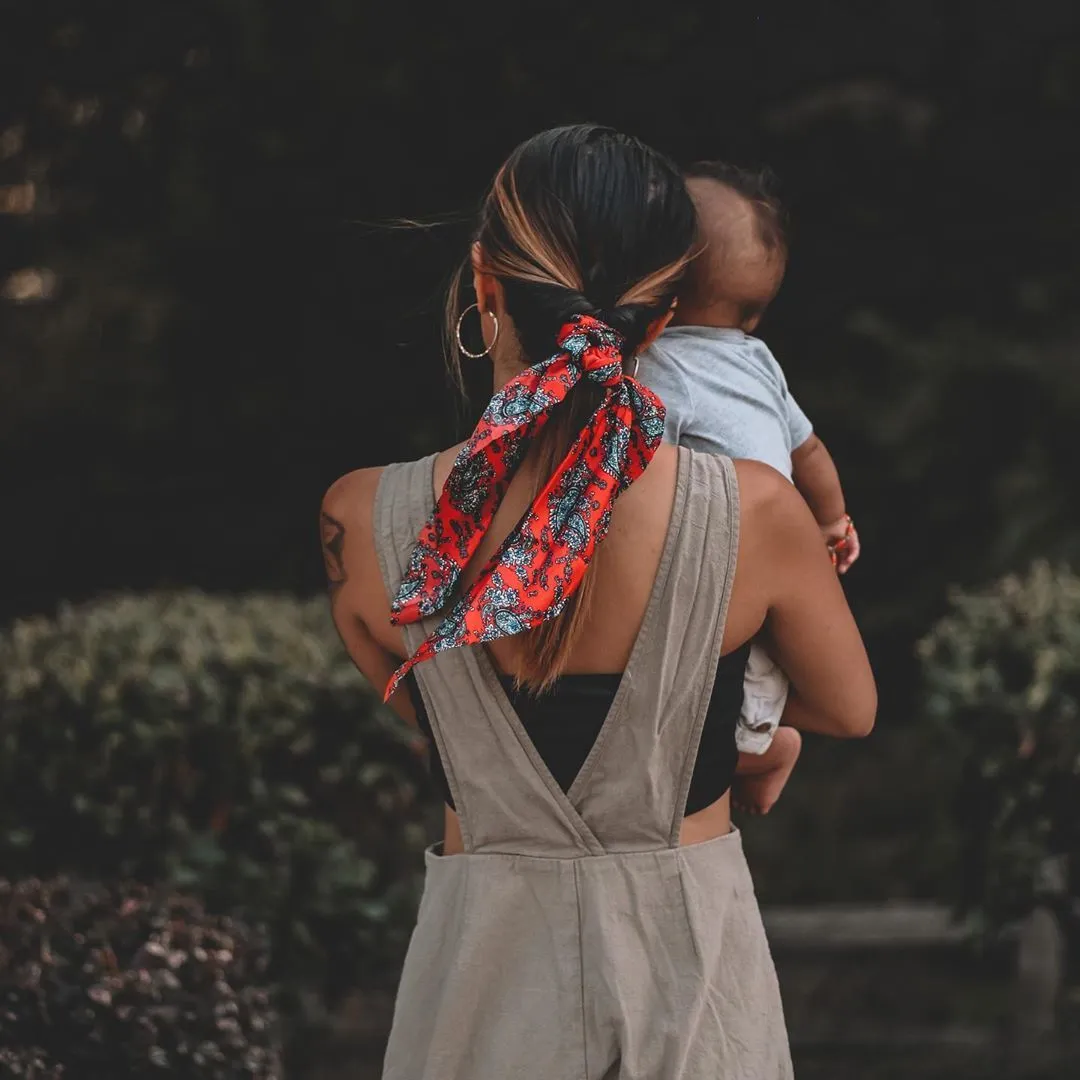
[
  {"x": 581, "y": 973},
  {"x": 686, "y": 909}
]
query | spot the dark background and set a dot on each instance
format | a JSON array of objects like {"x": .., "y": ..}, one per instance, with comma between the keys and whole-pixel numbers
[{"x": 208, "y": 312}]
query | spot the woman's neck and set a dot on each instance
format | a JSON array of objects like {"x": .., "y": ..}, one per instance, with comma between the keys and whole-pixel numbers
[
  {"x": 507, "y": 362},
  {"x": 502, "y": 375}
]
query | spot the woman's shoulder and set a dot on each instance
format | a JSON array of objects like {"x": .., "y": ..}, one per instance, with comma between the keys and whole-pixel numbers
[
  {"x": 773, "y": 515},
  {"x": 352, "y": 496},
  {"x": 349, "y": 497},
  {"x": 757, "y": 482},
  {"x": 766, "y": 498},
  {"x": 769, "y": 492},
  {"x": 761, "y": 484},
  {"x": 347, "y": 519}
]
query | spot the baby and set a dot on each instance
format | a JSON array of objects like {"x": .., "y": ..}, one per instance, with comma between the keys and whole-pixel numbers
[{"x": 726, "y": 394}]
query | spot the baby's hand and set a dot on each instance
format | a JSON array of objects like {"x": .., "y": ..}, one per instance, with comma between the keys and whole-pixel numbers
[{"x": 843, "y": 543}]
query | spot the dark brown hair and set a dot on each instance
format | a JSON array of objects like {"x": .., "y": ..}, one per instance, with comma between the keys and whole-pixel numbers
[{"x": 578, "y": 220}]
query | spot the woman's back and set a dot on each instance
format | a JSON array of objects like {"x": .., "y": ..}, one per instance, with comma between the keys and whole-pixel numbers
[
  {"x": 667, "y": 647},
  {"x": 622, "y": 576}
]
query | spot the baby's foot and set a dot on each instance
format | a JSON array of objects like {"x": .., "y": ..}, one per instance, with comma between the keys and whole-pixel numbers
[{"x": 756, "y": 793}]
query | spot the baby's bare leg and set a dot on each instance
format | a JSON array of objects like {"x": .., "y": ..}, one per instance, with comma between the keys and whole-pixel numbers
[{"x": 759, "y": 778}]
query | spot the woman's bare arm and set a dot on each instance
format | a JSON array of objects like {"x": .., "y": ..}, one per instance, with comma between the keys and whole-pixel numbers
[
  {"x": 357, "y": 595},
  {"x": 809, "y": 626}
]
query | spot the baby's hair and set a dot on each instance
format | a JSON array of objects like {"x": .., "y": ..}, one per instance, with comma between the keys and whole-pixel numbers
[{"x": 759, "y": 188}]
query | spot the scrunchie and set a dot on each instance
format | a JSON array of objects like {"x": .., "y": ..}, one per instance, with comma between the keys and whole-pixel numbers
[{"x": 541, "y": 563}]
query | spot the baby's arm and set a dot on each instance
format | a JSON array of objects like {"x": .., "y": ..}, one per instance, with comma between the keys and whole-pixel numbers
[
  {"x": 815, "y": 475},
  {"x": 817, "y": 480}
]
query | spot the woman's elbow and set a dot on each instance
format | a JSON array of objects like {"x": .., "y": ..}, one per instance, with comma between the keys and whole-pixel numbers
[
  {"x": 858, "y": 720},
  {"x": 849, "y": 715}
]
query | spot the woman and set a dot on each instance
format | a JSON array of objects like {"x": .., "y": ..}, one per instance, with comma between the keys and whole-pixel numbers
[{"x": 589, "y": 912}]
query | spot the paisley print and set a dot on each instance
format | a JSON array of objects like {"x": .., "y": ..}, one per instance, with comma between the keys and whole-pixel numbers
[
  {"x": 466, "y": 485},
  {"x": 539, "y": 566}
]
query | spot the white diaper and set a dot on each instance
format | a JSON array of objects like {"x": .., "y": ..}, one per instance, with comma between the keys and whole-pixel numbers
[{"x": 765, "y": 691}]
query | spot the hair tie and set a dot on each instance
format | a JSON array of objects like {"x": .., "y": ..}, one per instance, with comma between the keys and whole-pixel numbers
[{"x": 538, "y": 567}]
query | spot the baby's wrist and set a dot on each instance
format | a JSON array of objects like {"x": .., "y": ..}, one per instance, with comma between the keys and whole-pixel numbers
[
  {"x": 841, "y": 542},
  {"x": 836, "y": 526}
]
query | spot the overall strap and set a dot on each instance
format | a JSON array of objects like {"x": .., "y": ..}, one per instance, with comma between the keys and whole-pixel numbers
[
  {"x": 505, "y": 796},
  {"x": 632, "y": 791}
]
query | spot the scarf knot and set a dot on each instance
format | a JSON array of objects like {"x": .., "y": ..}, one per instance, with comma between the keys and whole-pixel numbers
[{"x": 596, "y": 347}]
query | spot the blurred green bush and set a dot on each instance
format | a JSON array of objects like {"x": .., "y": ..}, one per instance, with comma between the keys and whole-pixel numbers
[
  {"x": 114, "y": 983},
  {"x": 1002, "y": 679},
  {"x": 229, "y": 748}
]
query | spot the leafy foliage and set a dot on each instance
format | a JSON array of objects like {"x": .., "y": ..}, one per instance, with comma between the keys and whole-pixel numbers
[
  {"x": 117, "y": 983},
  {"x": 1002, "y": 672},
  {"x": 28, "y": 1063},
  {"x": 227, "y": 746}
]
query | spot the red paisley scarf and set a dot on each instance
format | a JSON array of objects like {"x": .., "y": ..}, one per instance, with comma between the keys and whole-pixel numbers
[{"x": 540, "y": 564}]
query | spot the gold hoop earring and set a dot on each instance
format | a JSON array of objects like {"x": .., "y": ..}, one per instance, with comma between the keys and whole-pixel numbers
[{"x": 457, "y": 332}]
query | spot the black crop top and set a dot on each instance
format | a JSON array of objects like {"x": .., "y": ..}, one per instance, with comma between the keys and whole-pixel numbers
[{"x": 564, "y": 722}]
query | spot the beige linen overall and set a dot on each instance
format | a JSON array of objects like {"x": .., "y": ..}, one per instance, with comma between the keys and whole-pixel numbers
[{"x": 574, "y": 939}]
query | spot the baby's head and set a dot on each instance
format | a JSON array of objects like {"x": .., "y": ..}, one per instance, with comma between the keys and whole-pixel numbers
[{"x": 744, "y": 250}]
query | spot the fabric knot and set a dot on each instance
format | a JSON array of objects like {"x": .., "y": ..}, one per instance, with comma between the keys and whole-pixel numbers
[{"x": 596, "y": 347}]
